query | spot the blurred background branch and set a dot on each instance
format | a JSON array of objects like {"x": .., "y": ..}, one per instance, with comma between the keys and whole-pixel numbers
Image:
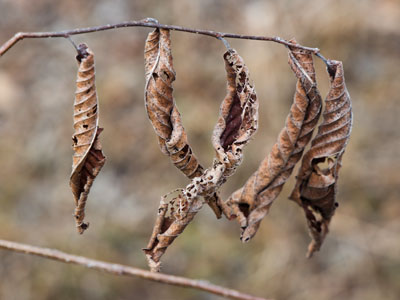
[{"x": 121, "y": 270}]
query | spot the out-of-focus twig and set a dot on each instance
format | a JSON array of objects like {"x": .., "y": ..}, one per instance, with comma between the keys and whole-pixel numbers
[
  {"x": 123, "y": 270},
  {"x": 148, "y": 22}
]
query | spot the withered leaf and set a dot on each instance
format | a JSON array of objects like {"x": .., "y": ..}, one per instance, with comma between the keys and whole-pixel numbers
[
  {"x": 237, "y": 123},
  {"x": 162, "y": 110},
  {"x": 251, "y": 203},
  {"x": 316, "y": 185},
  {"x": 238, "y": 117},
  {"x": 88, "y": 157},
  {"x": 160, "y": 104}
]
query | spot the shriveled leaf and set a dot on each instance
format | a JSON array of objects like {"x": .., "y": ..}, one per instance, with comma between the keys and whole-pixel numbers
[
  {"x": 238, "y": 117},
  {"x": 316, "y": 184},
  {"x": 162, "y": 110},
  {"x": 160, "y": 104},
  {"x": 251, "y": 203},
  {"x": 237, "y": 123},
  {"x": 88, "y": 157}
]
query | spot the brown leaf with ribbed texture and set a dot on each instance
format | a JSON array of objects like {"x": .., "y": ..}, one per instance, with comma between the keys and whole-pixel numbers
[
  {"x": 162, "y": 110},
  {"x": 251, "y": 203},
  {"x": 88, "y": 157},
  {"x": 316, "y": 184},
  {"x": 160, "y": 104},
  {"x": 237, "y": 123}
]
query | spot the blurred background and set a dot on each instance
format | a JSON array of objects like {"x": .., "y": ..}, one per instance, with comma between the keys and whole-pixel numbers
[{"x": 360, "y": 258}]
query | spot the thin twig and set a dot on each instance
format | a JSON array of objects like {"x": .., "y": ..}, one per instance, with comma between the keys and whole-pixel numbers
[
  {"x": 122, "y": 270},
  {"x": 148, "y": 22}
]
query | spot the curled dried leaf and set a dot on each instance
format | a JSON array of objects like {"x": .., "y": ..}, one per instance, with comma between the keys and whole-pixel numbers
[
  {"x": 238, "y": 117},
  {"x": 162, "y": 110},
  {"x": 160, "y": 104},
  {"x": 88, "y": 157},
  {"x": 316, "y": 185},
  {"x": 251, "y": 203},
  {"x": 237, "y": 123}
]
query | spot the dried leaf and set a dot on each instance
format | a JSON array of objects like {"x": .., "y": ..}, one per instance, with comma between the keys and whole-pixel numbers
[
  {"x": 238, "y": 118},
  {"x": 162, "y": 110},
  {"x": 316, "y": 184},
  {"x": 160, "y": 104},
  {"x": 88, "y": 157},
  {"x": 237, "y": 123},
  {"x": 251, "y": 203}
]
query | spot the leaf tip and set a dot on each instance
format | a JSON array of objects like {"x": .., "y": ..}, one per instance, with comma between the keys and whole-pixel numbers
[{"x": 82, "y": 227}]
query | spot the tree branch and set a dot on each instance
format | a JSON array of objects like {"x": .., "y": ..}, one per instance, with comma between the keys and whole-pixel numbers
[
  {"x": 148, "y": 22},
  {"x": 117, "y": 269}
]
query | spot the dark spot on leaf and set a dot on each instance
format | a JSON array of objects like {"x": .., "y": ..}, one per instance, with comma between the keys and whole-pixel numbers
[
  {"x": 82, "y": 52},
  {"x": 242, "y": 77},
  {"x": 245, "y": 209},
  {"x": 233, "y": 122},
  {"x": 185, "y": 149},
  {"x": 331, "y": 67}
]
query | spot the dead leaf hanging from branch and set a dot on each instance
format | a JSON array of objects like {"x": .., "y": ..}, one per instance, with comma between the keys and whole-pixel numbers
[
  {"x": 160, "y": 104},
  {"x": 162, "y": 110},
  {"x": 237, "y": 123},
  {"x": 251, "y": 203},
  {"x": 316, "y": 184},
  {"x": 88, "y": 157}
]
